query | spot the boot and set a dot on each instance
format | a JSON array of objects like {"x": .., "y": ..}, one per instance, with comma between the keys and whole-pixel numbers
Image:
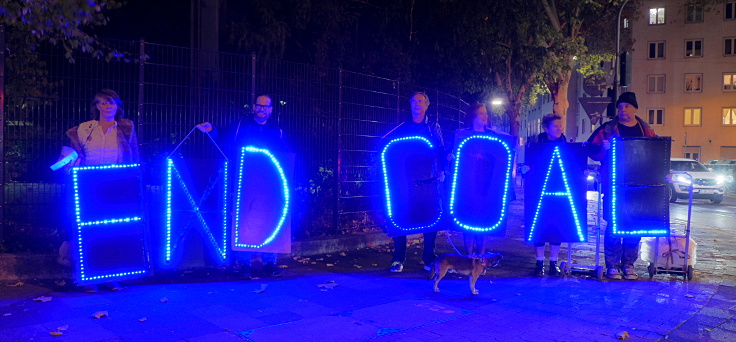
[
  {"x": 539, "y": 268},
  {"x": 553, "y": 269}
]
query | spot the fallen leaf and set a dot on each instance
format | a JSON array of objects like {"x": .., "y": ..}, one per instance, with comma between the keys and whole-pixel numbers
[
  {"x": 343, "y": 254},
  {"x": 255, "y": 278},
  {"x": 20, "y": 283},
  {"x": 708, "y": 330},
  {"x": 143, "y": 319},
  {"x": 164, "y": 300},
  {"x": 624, "y": 335},
  {"x": 689, "y": 295},
  {"x": 518, "y": 294},
  {"x": 330, "y": 265},
  {"x": 319, "y": 259},
  {"x": 56, "y": 333},
  {"x": 262, "y": 289},
  {"x": 328, "y": 255},
  {"x": 328, "y": 286},
  {"x": 313, "y": 262},
  {"x": 357, "y": 266},
  {"x": 282, "y": 266},
  {"x": 60, "y": 283},
  {"x": 43, "y": 299},
  {"x": 63, "y": 328},
  {"x": 7, "y": 314},
  {"x": 374, "y": 264},
  {"x": 100, "y": 314}
]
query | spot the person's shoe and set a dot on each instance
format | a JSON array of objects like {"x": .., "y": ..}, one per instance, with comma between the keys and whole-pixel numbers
[
  {"x": 629, "y": 273},
  {"x": 90, "y": 288},
  {"x": 539, "y": 268},
  {"x": 396, "y": 267},
  {"x": 271, "y": 270},
  {"x": 613, "y": 273},
  {"x": 553, "y": 269}
]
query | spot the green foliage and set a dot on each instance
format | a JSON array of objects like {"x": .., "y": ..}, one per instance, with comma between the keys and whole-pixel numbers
[{"x": 60, "y": 22}]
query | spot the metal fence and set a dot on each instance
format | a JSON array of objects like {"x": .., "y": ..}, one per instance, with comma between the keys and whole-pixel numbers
[{"x": 332, "y": 119}]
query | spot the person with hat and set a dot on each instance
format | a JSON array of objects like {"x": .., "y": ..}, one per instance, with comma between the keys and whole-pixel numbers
[{"x": 620, "y": 253}]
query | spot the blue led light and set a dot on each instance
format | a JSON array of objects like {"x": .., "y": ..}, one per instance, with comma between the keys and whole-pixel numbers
[
  {"x": 389, "y": 208},
  {"x": 83, "y": 277},
  {"x": 557, "y": 159},
  {"x": 614, "y": 199},
  {"x": 284, "y": 186},
  {"x": 507, "y": 181},
  {"x": 221, "y": 249}
]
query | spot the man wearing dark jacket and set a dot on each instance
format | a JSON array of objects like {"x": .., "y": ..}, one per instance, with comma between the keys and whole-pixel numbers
[
  {"x": 620, "y": 254},
  {"x": 258, "y": 131},
  {"x": 418, "y": 125}
]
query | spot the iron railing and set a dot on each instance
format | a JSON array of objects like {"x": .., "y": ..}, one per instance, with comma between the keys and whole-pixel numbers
[{"x": 332, "y": 120}]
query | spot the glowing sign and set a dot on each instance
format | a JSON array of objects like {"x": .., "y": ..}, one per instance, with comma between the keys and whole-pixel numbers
[
  {"x": 412, "y": 199},
  {"x": 639, "y": 191},
  {"x": 110, "y": 235},
  {"x": 262, "y": 202},
  {"x": 481, "y": 182},
  {"x": 553, "y": 218},
  {"x": 205, "y": 208}
]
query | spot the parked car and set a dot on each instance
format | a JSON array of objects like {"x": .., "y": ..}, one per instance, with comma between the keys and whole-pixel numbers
[{"x": 706, "y": 184}]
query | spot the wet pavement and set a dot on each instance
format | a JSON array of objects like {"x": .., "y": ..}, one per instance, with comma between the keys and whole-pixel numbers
[{"x": 351, "y": 296}]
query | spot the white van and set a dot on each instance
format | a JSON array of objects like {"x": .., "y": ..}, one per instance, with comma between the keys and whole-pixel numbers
[{"x": 706, "y": 184}]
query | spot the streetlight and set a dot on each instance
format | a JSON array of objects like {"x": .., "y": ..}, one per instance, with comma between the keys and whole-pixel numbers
[
  {"x": 496, "y": 102},
  {"x": 618, "y": 51}
]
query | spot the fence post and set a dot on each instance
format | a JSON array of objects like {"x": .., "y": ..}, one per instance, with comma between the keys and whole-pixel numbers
[
  {"x": 253, "y": 79},
  {"x": 2, "y": 130},
  {"x": 398, "y": 102},
  {"x": 141, "y": 79},
  {"x": 338, "y": 160}
]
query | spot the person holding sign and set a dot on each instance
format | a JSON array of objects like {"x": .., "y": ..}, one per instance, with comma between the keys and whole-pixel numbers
[
  {"x": 620, "y": 253},
  {"x": 259, "y": 131},
  {"x": 107, "y": 139},
  {"x": 418, "y": 126},
  {"x": 552, "y": 125}
]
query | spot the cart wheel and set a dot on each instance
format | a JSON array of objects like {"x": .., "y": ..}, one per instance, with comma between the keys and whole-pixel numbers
[
  {"x": 652, "y": 270},
  {"x": 689, "y": 274},
  {"x": 563, "y": 268},
  {"x": 599, "y": 273}
]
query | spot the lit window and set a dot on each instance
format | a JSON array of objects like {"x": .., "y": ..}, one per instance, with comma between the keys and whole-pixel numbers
[
  {"x": 694, "y": 14},
  {"x": 656, "y": 84},
  {"x": 729, "y": 116},
  {"x": 656, "y": 16},
  {"x": 693, "y": 83},
  {"x": 656, "y": 50},
  {"x": 730, "y": 12},
  {"x": 694, "y": 48},
  {"x": 729, "y": 46},
  {"x": 729, "y": 81},
  {"x": 656, "y": 116},
  {"x": 692, "y": 116}
]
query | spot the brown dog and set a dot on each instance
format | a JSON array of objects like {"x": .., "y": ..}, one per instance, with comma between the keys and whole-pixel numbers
[{"x": 469, "y": 265}]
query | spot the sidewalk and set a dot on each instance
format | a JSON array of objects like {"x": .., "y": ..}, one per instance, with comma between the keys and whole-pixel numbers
[{"x": 352, "y": 297}]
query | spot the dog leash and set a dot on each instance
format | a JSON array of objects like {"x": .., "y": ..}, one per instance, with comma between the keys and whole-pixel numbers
[{"x": 447, "y": 233}]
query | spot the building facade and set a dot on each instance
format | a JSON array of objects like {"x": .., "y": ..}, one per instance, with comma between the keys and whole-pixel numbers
[{"x": 684, "y": 75}]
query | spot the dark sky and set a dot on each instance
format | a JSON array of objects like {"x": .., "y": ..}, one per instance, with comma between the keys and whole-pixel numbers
[{"x": 158, "y": 21}]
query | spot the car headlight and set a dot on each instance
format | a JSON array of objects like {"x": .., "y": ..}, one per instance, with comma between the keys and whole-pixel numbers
[
  {"x": 720, "y": 179},
  {"x": 683, "y": 179}
]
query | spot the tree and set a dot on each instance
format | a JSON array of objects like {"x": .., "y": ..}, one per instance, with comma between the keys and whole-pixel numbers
[{"x": 60, "y": 22}]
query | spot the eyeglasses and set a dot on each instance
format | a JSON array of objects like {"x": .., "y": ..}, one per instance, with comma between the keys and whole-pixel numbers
[
  {"x": 257, "y": 106},
  {"x": 105, "y": 103}
]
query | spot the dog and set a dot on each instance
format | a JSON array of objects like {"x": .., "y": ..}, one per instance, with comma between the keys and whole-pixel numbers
[{"x": 470, "y": 265}]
